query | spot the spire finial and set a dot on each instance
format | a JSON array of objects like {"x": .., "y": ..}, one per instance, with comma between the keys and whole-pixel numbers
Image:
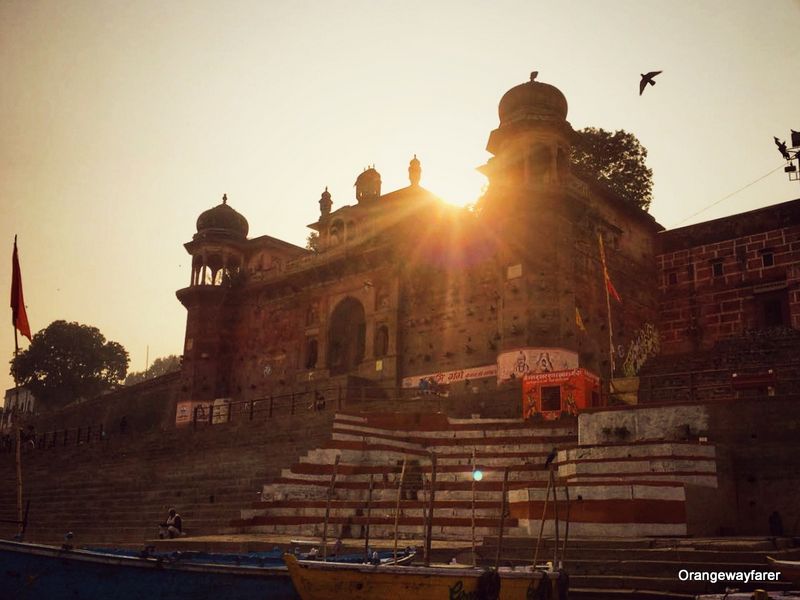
[
  {"x": 224, "y": 198},
  {"x": 325, "y": 203},
  {"x": 534, "y": 75},
  {"x": 414, "y": 171}
]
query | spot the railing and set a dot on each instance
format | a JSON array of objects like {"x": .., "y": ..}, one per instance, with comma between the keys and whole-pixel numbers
[
  {"x": 58, "y": 438},
  {"x": 781, "y": 379},
  {"x": 265, "y": 408},
  {"x": 312, "y": 400}
]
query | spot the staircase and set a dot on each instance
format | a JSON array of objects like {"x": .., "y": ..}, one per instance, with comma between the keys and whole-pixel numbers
[{"x": 375, "y": 445}]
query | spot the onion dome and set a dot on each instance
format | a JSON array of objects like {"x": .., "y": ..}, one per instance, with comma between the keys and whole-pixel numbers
[
  {"x": 222, "y": 220},
  {"x": 368, "y": 184},
  {"x": 533, "y": 100}
]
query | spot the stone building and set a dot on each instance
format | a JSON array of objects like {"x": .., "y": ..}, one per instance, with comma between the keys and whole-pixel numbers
[{"x": 403, "y": 289}]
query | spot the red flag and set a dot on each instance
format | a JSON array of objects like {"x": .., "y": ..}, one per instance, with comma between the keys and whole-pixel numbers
[
  {"x": 19, "y": 318},
  {"x": 612, "y": 290}
]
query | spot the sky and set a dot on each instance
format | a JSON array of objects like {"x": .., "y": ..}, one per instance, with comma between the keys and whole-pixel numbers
[{"x": 121, "y": 121}]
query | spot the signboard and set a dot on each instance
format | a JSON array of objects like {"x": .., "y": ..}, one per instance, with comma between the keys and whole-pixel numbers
[
  {"x": 445, "y": 377},
  {"x": 518, "y": 363}
]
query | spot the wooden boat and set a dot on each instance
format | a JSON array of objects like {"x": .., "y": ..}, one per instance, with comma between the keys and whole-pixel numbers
[
  {"x": 789, "y": 569},
  {"x": 34, "y": 571},
  {"x": 330, "y": 581},
  {"x": 271, "y": 558}
]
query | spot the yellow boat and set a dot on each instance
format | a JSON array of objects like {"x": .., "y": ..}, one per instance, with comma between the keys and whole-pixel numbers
[{"x": 330, "y": 581}]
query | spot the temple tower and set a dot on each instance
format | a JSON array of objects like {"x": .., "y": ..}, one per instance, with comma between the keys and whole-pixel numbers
[{"x": 217, "y": 251}]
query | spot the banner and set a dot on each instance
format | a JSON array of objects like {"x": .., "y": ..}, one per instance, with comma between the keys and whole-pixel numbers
[
  {"x": 445, "y": 377},
  {"x": 521, "y": 361}
]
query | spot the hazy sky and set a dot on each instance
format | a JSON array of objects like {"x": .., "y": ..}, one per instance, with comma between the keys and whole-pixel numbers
[{"x": 121, "y": 121}]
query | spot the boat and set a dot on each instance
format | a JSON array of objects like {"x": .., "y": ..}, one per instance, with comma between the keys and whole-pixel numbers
[
  {"x": 789, "y": 569},
  {"x": 35, "y": 571},
  {"x": 331, "y": 581},
  {"x": 269, "y": 558}
]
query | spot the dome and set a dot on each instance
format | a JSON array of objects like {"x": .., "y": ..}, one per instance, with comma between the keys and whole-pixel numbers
[
  {"x": 533, "y": 100},
  {"x": 224, "y": 220}
]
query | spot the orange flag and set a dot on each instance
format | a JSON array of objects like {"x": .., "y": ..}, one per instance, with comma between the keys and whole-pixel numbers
[
  {"x": 609, "y": 286},
  {"x": 579, "y": 320},
  {"x": 19, "y": 318}
]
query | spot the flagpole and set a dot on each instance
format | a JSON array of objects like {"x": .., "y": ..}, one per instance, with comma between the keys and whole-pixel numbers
[
  {"x": 608, "y": 309},
  {"x": 18, "y": 439}
]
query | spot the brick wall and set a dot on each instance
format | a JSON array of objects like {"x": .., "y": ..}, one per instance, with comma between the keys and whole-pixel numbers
[{"x": 724, "y": 277}]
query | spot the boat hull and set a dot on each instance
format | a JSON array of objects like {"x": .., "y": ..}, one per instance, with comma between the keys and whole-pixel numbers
[
  {"x": 314, "y": 581},
  {"x": 789, "y": 569},
  {"x": 33, "y": 572}
]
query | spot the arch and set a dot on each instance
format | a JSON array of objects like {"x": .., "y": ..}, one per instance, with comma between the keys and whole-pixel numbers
[
  {"x": 538, "y": 163},
  {"x": 346, "y": 336},
  {"x": 336, "y": 232},
  {"x": 381, "y": 341}
]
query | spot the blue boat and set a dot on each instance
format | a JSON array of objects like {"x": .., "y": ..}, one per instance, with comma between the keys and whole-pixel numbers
[{"x": 37, "y": 572}]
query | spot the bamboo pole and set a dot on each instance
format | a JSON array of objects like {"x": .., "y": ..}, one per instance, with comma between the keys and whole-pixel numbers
[
  {"x": 544, "y": 514},
  {"x": 397, "y": 506},
  {"x": 502, "y": 519},
  {"x": 429, "y": 519},
  {"x": 328, "y": 509},
  {"x": 566, "y": 527},
  {"x": 369, "y": 513}
]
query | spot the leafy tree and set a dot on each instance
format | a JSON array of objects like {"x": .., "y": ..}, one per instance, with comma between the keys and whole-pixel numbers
[
  {"x": 160, "y": 366},
  {"x": 312, "y": 241},
  {"x": 616, "y": 160},
  {"x": 68, "y": 361}
]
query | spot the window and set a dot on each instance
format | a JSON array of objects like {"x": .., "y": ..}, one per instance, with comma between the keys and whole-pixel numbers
[
  {"x": 690, "y": 272},
  {"x": 551, "y": 398},
  {"x": 672, "y": 278},
  {"x": 716, "y": 268},
  {"x": 767, "y": 259},
  {"x": 311, "y": 353},
  {"x": 382, "y": 341}
]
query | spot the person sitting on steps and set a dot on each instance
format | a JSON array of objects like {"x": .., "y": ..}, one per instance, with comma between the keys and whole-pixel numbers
[{"x": 172, "y": 527}]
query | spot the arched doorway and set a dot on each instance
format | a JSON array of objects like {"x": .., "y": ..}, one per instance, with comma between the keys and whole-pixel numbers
[{"x": 346, "y": 336}]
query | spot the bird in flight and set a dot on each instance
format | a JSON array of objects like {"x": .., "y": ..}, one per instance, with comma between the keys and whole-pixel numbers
[
  {"x": 782, "y": 148},
  {"x": 647, "y": 78}
]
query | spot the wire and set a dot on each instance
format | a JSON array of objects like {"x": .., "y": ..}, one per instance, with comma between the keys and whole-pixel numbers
[{"x": 702, "y": 210}]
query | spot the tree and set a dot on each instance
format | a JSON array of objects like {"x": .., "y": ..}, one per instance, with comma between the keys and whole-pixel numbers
[
  {"x": 69, "y": 361},
  {"x": 161, "y": 366},
  {"x": 312, "y": 242},
  {"x": 616, "y": 160}
]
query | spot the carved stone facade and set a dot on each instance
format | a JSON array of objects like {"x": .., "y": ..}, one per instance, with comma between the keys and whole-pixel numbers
[{"x": 402, "y": 286}]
